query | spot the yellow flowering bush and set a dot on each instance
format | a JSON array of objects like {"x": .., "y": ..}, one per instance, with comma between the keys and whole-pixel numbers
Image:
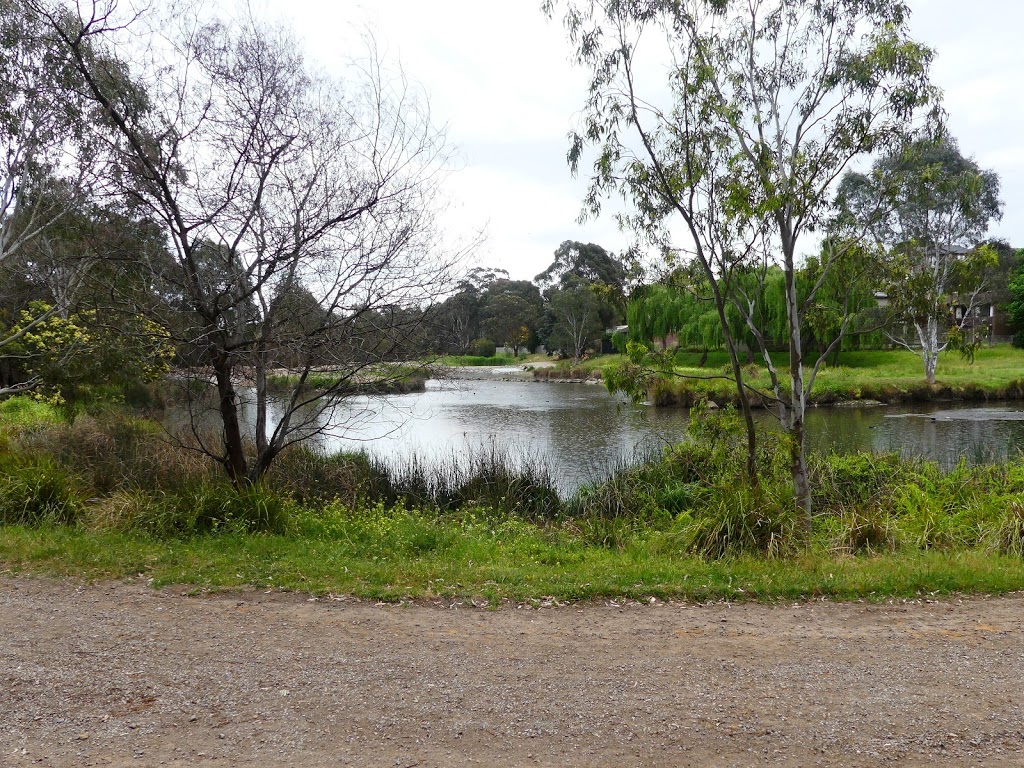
[{"x": 83, "y": 357}]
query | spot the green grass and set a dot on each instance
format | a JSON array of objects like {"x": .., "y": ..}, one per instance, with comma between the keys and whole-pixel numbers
[
  {"x": 111, "y": 498},
  {"x": 447, "y": 560},
  {"x": 587, "y": 368},
  {"x": 476, "y": 360},
  {"x": 887, "y": 375},
  {"x": 23, "y": 411}
]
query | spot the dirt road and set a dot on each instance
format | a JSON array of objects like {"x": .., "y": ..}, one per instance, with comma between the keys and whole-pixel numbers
[{"x": 119, "y": 674}]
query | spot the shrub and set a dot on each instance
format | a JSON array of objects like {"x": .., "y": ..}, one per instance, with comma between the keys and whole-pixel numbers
[
  {"x": 199, "y": 509},
  {"x": 628, "y": 493},
  {"x": 313, "y": 478},
  {"x": 519, "y": 485},
  {"x": 490, "y": 476},
  {"x": 608, "y": 532},
  {"x": 740, "y": 519},
  {"x": 857, "y": 480},
  {"x": 118, "y": 451},
  {"x": 36, "y": 491},
  {"x": 1010, "y": 535},
  {"x": 483, "y": 348},
  {"x": 864, "y": 529}
]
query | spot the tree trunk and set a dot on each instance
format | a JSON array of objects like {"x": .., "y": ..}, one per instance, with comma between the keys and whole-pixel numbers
[
  {"x": 234, "y": 445},
  {"x": 928, "y": 335},
  {"x": 737, "y": 372},
  {"x": 798, "y": 402},
  {"x": 930, "y": 363},
  {"x": 798, "y": 472},
  {"x": 261, "y": 402},
  {"x": 931, "y": 360}
]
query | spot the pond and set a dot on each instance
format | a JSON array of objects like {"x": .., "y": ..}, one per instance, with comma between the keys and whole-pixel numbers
[{"x": 583, "y": 432}]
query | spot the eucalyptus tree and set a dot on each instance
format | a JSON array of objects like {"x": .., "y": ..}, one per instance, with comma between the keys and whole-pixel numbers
[
  {"x": 732, "y": 156},
  {"x": 511, "y": 311},
  {"x": 576, "y": 323},
  {"x": 610, "y": 277},
  {"x": 928, "y": 208},
  {"x": 274, "y": 182},
  {"x": 51, "y": 165}
]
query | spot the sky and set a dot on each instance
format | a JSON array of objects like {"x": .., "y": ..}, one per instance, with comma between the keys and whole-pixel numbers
[{"x": 498, "y": 77}]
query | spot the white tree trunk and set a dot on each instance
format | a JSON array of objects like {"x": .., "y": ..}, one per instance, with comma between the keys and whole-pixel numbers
[{"x": 928, "y": 335}]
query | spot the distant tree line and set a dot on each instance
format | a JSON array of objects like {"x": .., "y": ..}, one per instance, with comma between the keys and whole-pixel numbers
[{"x": 567, "y": 308}]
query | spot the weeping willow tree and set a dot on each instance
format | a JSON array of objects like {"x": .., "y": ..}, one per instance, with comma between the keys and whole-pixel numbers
[
  {"x": 661, "y": 311},
  {"x": 688, "y": 313},
  {"x": 843, "y": 305}
]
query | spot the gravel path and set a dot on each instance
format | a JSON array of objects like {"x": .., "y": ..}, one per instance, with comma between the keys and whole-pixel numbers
[{"x": 119, "y": 674}]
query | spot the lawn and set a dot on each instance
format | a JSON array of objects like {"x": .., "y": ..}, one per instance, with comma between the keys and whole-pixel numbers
[{"x": 888, "y": 375}]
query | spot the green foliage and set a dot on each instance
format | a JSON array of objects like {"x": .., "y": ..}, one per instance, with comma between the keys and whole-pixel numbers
[
  {"x": 843, "y": 302},
  {"x": 605, "y": 277},
  {"x": 115, "y": 452},
  {"x": 1015, "y": 307},
  {"x": 511, "y": 311},
  {"x": 928, "y": 208},
  {"x": 197, "y": 509},
  {"x": 23, "y": 411},
  {"x": 889, "y": 376},
  {"x": 659, "y": 310},
  {"x": 371, "y": 380},
  {"x": 83, "y": 360},
  {"x": 482, "y": 348},
  {"x": 500, "y": 517},
  {"x": 741, "y": 519},
  {"x": 859, "y": 480},
  {"x": 313, "y": 479},
  {"x": 1010, "y": 537},
  {"x": 576, "y": 322},
  {"x": 35, "y": 491}
]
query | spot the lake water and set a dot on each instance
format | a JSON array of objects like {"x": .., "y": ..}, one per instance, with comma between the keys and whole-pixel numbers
[{"x": 583, "y": 432}]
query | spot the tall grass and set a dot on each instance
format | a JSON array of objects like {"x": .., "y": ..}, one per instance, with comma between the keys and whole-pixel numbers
[{"x": 495, "y": 514}]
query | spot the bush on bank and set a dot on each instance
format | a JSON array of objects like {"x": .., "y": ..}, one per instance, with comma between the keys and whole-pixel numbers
[{"x": 122, "y": 473}]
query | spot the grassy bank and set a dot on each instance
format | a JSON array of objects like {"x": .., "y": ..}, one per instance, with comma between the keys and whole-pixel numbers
[
  {"x": 392, "y": 381},
  {"x": 888, "y": 376},
  {"x": 589, "y": 368},
  {"x": 450, "y": 561},
  {"x": 112, "y": 498},
  {"x": 476, "y": 360}
]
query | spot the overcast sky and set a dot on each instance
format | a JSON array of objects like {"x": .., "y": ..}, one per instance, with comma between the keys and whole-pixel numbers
[{"x": 498, "y": 76}]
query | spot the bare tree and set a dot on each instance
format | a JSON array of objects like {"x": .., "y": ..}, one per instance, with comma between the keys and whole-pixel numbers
[
  {"x": 576, "y": 314},
  {"x": 302, "y": 209}
]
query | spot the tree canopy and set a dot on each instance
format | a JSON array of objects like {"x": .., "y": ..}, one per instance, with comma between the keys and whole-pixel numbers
[
  {"x": 768, "y": 103},
  {"x": 927, "y": 208},
  {"x": 300, "y": 208}
]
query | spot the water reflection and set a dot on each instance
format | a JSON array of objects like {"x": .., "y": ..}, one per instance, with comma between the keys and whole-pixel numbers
[
  {"x": 939, "y": 432},
  {"x": 583, "y": 432}
]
